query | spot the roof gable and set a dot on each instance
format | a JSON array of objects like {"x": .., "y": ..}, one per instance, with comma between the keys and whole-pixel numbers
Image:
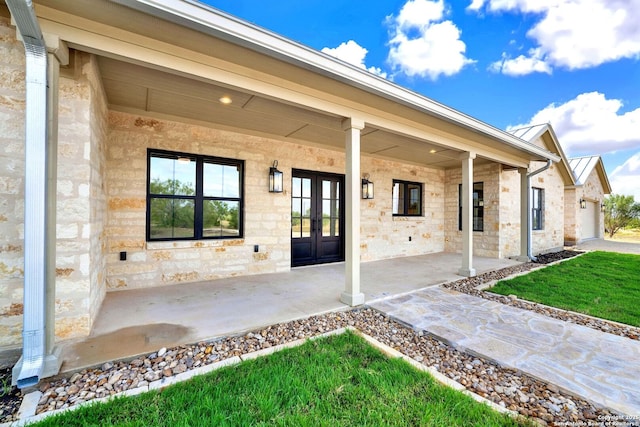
[
  {"x": 583, "y": 167},
  {"x": 544, "y": 132}
]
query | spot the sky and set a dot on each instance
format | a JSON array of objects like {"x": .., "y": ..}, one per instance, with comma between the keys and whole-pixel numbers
[{"x": 510, "y": 63}]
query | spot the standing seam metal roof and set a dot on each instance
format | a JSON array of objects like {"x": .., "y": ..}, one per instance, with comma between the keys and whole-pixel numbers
[{"x": 582, "y": 167}]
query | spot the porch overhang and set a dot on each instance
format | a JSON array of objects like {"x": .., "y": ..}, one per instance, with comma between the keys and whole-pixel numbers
[{"x": 148, "y": 47}]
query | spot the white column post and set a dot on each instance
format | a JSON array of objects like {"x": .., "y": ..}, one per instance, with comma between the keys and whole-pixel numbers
[
  {"x": 352, "y": 295},
  {"x": 467, "y": 215},
  {"x": 58, "y": 54},
  {"x": 524, "y": 215}
]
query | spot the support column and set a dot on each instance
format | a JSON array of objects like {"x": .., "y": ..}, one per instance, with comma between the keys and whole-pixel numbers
[
  {"x": 352, "y": 295},
  {"x": 525, "y": 226},
  {"x": 467, "y": 215},
  {"x": 57, "y": 54}
]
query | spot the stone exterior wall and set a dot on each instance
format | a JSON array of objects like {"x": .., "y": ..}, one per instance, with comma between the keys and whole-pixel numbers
[
  {"x": 551, "y": 237},
  {"x": 80, "y": 266},
  {"x": 510, "y": 213},
  {"x": 486, "y": 242},
  {"x": 592, "y": 191},
  {"x": 267, "y": 216},
  {"x": 12, "y": 103},
  {"x": 571, "y": 222},
  {"x": 385, "y": 236}
]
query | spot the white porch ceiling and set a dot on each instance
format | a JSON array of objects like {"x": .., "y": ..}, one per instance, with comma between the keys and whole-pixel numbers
[{"x": 136, "y": 88}]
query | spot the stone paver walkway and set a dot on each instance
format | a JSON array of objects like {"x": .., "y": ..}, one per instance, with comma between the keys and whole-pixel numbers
[{"x": 600, "y": 367}]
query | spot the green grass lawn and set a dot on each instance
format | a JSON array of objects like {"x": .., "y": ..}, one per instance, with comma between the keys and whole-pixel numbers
[
  {"x": 600, "y": 284},
  {"x": 334, "y": 381}
]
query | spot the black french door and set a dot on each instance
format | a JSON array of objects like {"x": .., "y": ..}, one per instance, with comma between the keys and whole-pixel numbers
[{"x": 317, "y": 218}]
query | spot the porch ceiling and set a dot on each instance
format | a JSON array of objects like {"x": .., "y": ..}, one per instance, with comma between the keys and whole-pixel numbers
[{"x": 138, "y": 89}]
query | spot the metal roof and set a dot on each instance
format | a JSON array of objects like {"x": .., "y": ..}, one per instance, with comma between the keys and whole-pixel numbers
[
  {"x": 582, "y": 167},
  {"x": 529, "y": 133}
]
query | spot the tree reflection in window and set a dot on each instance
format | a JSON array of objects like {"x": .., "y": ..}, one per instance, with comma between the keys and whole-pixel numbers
[{"x": 193, "y": 197}]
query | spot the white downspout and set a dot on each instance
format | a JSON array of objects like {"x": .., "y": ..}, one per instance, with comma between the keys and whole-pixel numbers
[
  {"x": 529, "y": 213},
  {"x": 29, "y": 368}
]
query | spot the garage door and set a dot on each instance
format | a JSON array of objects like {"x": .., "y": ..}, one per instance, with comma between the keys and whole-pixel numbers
[{"x": 590, "y": 220}]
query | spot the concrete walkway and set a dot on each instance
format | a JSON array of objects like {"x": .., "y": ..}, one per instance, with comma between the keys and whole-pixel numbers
[
  {"x": 138, "y": 321},
  {"x": 600, "y": 367},
  {"x": 609, "y": 246}
]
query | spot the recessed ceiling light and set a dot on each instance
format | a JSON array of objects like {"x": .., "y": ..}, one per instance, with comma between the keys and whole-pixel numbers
[
  {"x": 226, "y": 100},
  {"x": 432, "y": 151}
]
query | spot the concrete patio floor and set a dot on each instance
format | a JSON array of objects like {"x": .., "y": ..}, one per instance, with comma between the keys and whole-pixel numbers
[{"x": 138, "y": 321}]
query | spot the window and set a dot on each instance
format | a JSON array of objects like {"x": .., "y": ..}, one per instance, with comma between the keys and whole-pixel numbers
[
  {"x": 478, "y": 206},
  {"x": 537, "y": 209},
  {"x": 193, "y": 197},
  {"x": 407, "y": 198}
]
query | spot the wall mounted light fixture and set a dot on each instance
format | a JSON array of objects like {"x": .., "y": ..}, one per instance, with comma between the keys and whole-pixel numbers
[
  {"x": 603, "y": 208},
  {"x": 583, "y": 204},
  {"x": 367, "y": 187},
  {"x": 275, "y": 179}
]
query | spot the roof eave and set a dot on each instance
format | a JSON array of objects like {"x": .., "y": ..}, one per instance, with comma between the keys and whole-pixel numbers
[{"x": 209, "y": 20}]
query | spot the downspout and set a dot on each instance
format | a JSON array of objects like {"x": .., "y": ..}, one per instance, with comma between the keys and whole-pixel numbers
[
  {"x": 529, "y": 213},
  {"x": 35, "y": 216}
]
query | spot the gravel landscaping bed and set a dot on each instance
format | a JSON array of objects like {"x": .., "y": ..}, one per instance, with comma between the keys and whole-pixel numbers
[
  {"x": 470, "y": 286},
  {"x": 506, "y": 387}
]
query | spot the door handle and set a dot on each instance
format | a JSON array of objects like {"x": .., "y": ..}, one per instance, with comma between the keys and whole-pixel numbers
[{"x": 313, "y": 225}]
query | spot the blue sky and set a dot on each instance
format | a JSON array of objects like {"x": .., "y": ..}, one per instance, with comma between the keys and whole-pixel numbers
[{"x": 510, "y": 63}]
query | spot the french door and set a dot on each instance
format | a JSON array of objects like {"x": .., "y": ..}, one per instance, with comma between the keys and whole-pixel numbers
[{"x": 317, "y": 218}]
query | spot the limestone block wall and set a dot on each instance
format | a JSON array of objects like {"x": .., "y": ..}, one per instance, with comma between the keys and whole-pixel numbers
[
  {"x": 267, "y": 216},
  {"x": 80, "y": 265},
  {"x": 486, "y": 242},
  {"x": 509, "y": 213},
  {"x": 552, "y": 236},
  {"x": 12, "y": 102},
  {"x": 571, "y": 222},
  {"x": 385, "y": 236},
  {"x": 80, "y": 259}
]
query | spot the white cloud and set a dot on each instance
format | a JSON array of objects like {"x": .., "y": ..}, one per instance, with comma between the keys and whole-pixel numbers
[
  {"x": 591, "y": 124},
  {"x": 625, "y": 179},
  {"x": 522, "y": 65},
  {"x": 423, "y": 43},
  {"x": 575, "y": 34},
  {"x": 354, "y": 54}
]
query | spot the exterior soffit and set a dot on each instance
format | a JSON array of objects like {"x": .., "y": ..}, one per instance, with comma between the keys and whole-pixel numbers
[{"x": 91, "y": 36}]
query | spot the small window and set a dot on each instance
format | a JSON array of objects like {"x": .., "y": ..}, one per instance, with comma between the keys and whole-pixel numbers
[
  {"x": 193, "y": 197},
  {"x": 537, "y": 209},
  {"x": 478, "y": 206},
  {"x": 407, "y": 198}
]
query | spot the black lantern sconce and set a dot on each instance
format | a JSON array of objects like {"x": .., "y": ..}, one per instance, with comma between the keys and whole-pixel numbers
[
  {"x": 275, "y": 179},
  {"x": 603, "y": 208},
  {"x": 367, "y": 187},
  {"x": 583, "y": 204}
]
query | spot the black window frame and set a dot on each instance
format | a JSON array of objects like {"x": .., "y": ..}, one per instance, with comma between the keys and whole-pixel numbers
[
  {"x": 199, "y": 197},
  {"x": 406, "y": 199},
  {"x": 476, "y": 209},
  {"x": 539, "y": 193}
]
